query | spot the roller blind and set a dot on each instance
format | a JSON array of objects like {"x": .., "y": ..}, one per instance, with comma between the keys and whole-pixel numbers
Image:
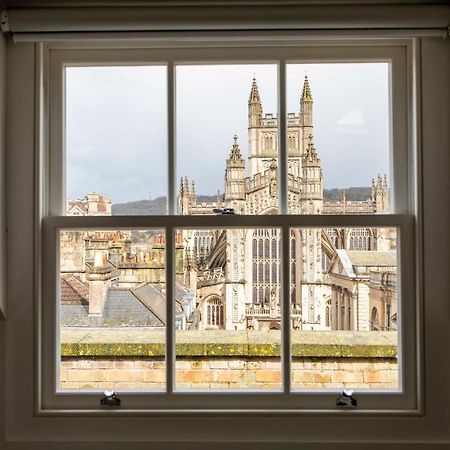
[{"x": 225, "y": 15}]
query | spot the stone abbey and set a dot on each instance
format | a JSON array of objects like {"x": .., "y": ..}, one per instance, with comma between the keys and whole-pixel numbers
[
  {"x": 229, "y": 279},
  {"x": 236, "y": 273}
]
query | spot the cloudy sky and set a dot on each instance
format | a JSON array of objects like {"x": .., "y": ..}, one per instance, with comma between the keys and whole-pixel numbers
[{"x": 116, "y": 119}]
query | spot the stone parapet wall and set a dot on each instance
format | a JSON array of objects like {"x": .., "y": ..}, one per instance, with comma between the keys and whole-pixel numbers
[
  {"x": 134, "y": 359},
  {"x": 226, "y": 373}
]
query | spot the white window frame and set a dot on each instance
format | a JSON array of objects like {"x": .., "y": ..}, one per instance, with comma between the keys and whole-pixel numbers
[{"x": 53, "y": 57}]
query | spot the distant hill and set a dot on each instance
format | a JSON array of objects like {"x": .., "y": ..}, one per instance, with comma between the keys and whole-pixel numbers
[
  {"x": 351, "y": 194},
  {"x": 141, "y": 207},
  {"x": 157, "y": 206}
]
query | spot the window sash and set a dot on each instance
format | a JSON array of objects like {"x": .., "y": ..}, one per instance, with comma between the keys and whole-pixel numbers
[
  {"x": 245, "y": 400},
  {"x": 54, "y": 60},
  {"x": 235, "y": 53}
]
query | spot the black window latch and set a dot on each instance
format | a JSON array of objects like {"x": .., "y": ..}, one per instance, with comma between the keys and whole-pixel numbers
[
  {"x": 110, "y": 399},
  {"x": 223, "y": 210},
  {"x": 346, "y": 400}
]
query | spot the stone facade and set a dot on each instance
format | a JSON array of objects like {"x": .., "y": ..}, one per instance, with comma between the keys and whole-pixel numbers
[
  {"x": 233, "y": 275},
  {"x": 363, "y": 291}
]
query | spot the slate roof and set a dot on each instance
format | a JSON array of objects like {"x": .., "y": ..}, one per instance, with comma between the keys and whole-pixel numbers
[
  {"x": 155, "y": 300},
  {"x": 373, "y": 258},
  {"x": 122, "y": 309},
  {"x": 357, "y": 263},
  {"x": 73, "y": 291},
  {"x": 144, "y": 306}
]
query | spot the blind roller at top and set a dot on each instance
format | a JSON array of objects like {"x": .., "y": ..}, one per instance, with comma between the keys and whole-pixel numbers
[{"x": 250, "y": 15}]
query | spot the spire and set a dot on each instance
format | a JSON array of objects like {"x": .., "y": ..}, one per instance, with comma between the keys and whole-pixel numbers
[
  {"x": 193, "y": 194},
  {"x": 234, "y": 176},
  {"x": 254, "y": 93},
  {"x": 306, "y": 106},
  {"x": 311, "y": 157},
  {"x": 306, "y": 92},
  {"x": 254, "y": 106},
  {"x": 379, "y": 182},
  {"x": 181, "y": 186},
  {"x": 235, "y": 155}
]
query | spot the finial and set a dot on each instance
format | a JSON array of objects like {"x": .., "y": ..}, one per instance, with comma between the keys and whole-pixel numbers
[
  {"x": 235, "y": 154},
  {"x": 254, "y": 93},
  {"x": 306, "y": 92}
]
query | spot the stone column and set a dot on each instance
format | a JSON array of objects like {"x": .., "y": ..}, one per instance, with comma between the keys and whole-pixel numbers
[
  {"x": 363, "y": 307},
  {"x": 344, "y": 309},
  {"x": 354, "y": 313},
  {"x": 334, "y": 307},
  {"x": 339, "y": 309}
]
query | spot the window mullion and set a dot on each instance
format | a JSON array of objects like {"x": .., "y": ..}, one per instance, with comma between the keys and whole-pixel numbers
[
  {"x": 282, "y": 134},
  {"x": 170, "y": 243},
  {"x": 170, "y": 336},
  {"x": 286, "y": 309},
  {"x": 171, "y": 138}
]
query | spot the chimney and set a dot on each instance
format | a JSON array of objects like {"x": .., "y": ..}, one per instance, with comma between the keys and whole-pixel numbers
[{"x": 99, "y": 278}]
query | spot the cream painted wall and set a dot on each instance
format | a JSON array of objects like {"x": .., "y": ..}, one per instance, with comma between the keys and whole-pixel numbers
[
  {"x": 3, "y": 53},
  {"x": 2, "y": 175}
]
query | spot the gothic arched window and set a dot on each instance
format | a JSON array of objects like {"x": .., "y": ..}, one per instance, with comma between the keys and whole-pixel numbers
[
  {"x": 265, "y": 265},
  {"x": 215, "y": 312}
]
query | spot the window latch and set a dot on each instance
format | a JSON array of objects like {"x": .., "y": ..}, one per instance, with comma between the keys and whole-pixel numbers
[
  {"x": 223, "y": 210},
  {"x": 110, "y": 399},
  {"x": 346, "y": 400}
]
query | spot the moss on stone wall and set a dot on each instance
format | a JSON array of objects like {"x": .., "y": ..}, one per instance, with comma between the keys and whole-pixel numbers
[{"x": 144, "y": 343}]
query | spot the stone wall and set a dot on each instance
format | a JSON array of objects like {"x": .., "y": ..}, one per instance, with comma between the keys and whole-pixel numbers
[{"x": 134, "y": 359}]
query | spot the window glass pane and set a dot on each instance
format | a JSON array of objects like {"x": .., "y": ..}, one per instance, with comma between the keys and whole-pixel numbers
[
  {"x": 112, "y": 309},
  {"x": 227, "y": 123},
  {"x": 231, "y": 338},
  {"x": 116, "y": 140},
  {"x": 338, "y": 138},
  {"x": 344, "y": 308}
]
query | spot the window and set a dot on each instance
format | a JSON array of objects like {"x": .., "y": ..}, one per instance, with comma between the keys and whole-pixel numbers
[{"x": 287, "y": 271}]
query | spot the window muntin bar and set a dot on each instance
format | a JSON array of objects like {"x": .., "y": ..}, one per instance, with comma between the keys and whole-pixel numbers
[
  {"x": 285, "y": 271},
  {"x": 171, "y": 137},
  {"x": 282, "y": 133}
]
